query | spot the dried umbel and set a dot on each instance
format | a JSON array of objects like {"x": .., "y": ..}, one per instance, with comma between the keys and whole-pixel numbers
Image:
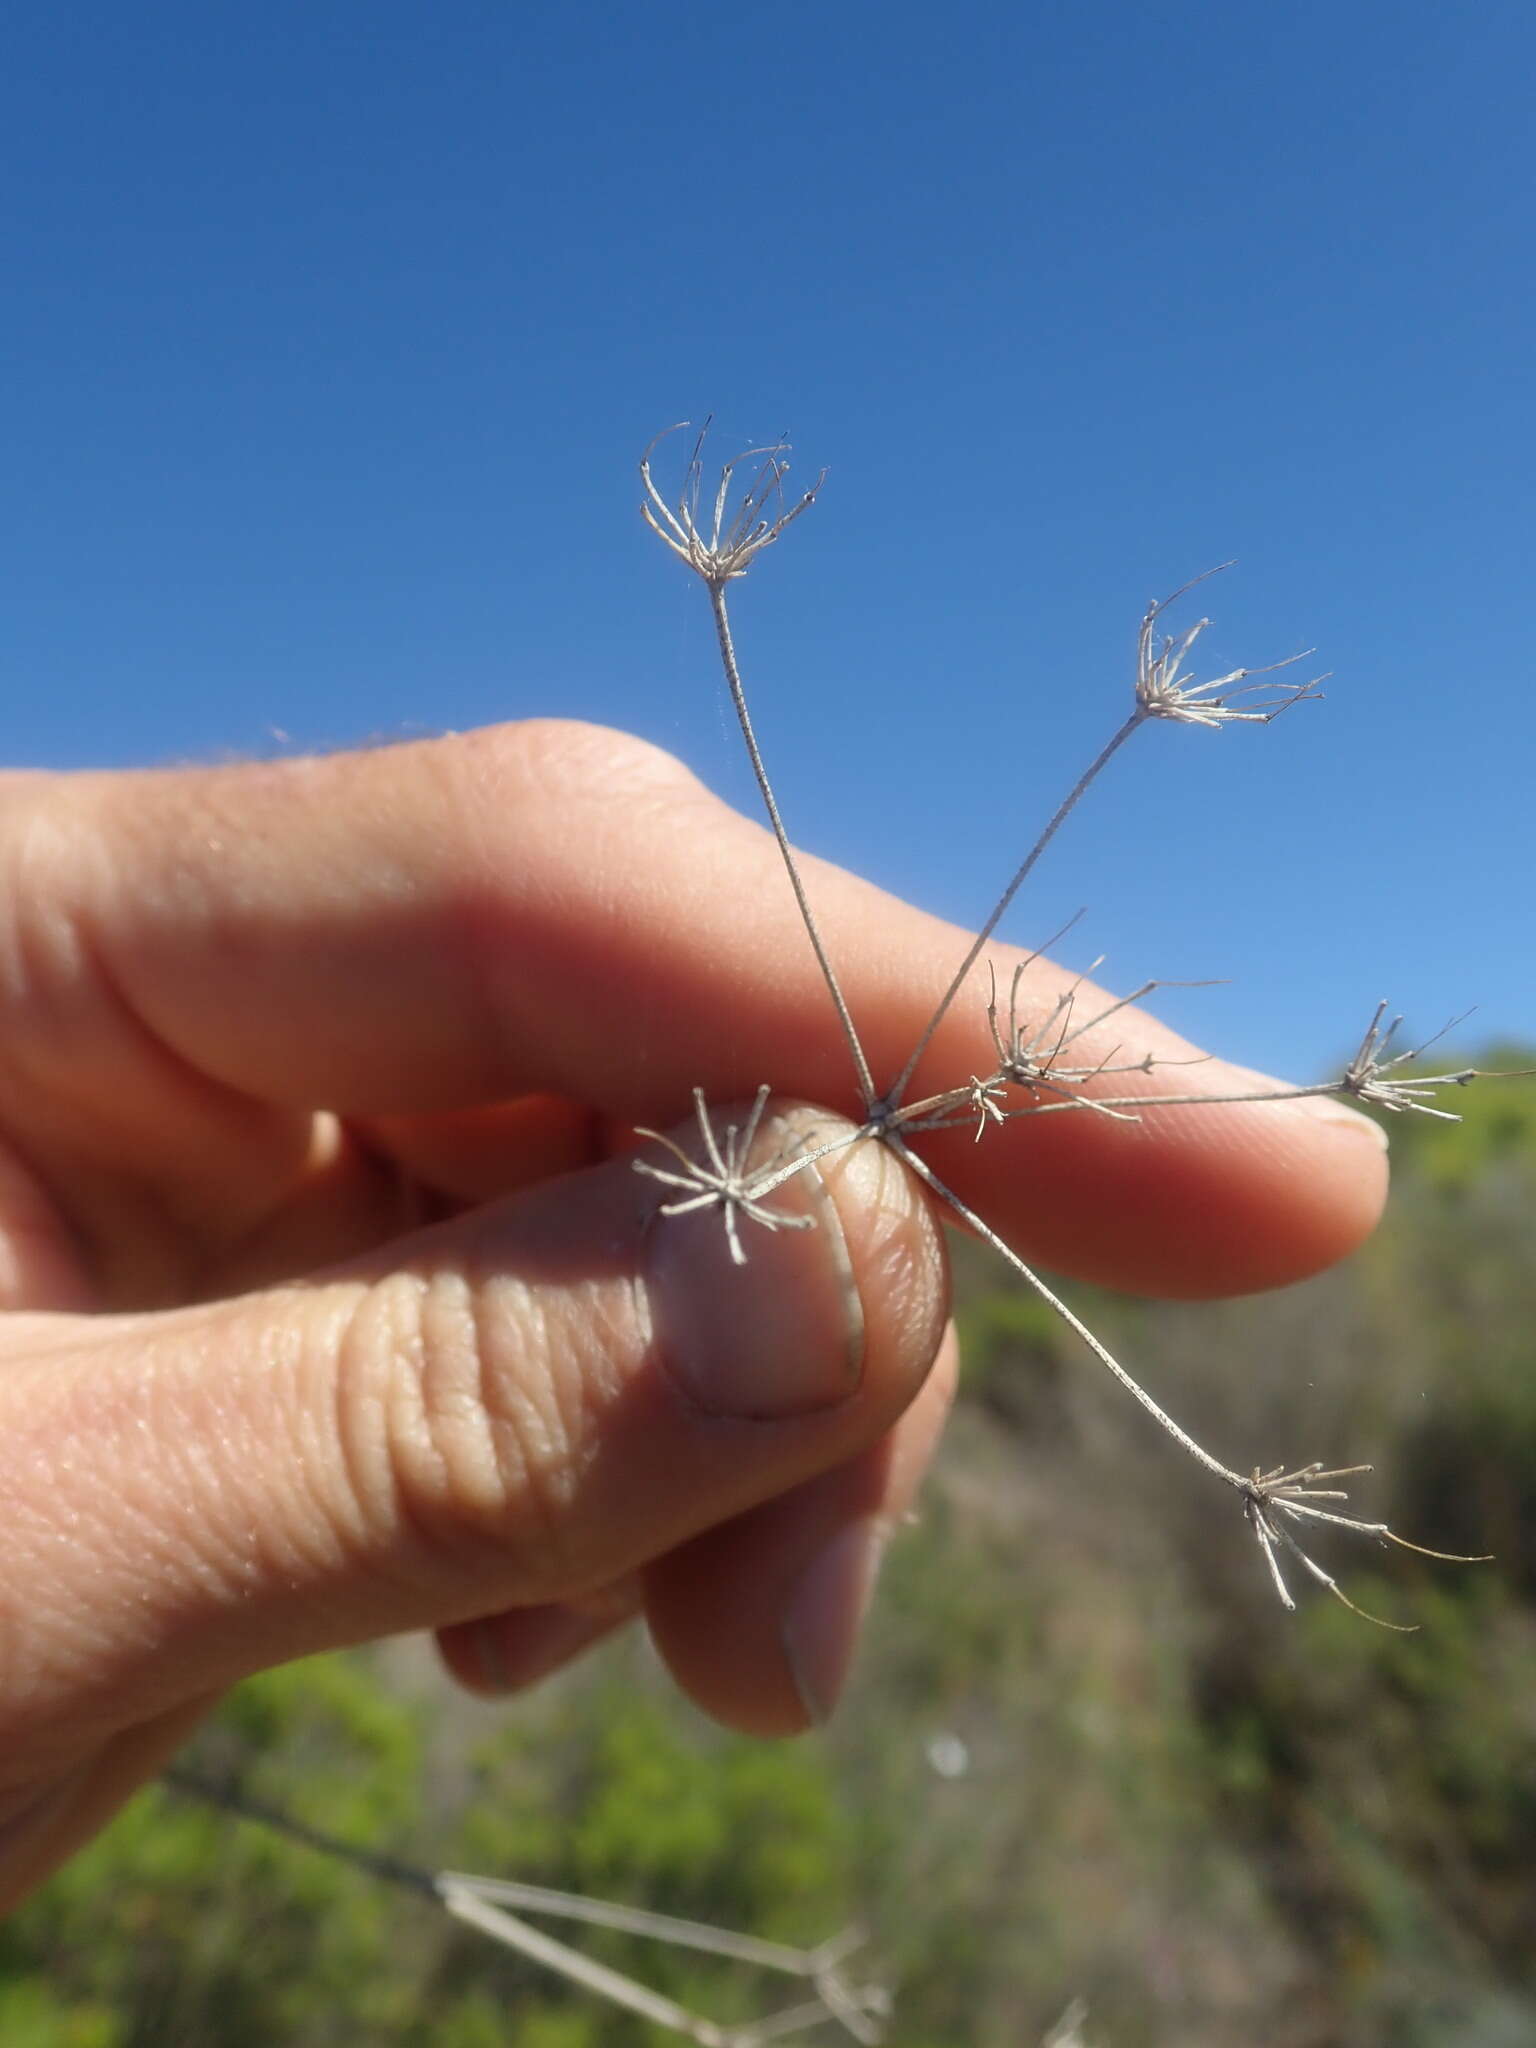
[
  {"x": 1039, "y": 1068},
  {"x": 721, "y": 1180},
  {"x": 1164, "y": 690},
  {"x": 1042, "y": 1067},
  {"x": 737, "y": 528}
]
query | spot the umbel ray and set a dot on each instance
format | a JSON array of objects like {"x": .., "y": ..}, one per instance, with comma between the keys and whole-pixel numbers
[{"x": 1043, "y": 1062}]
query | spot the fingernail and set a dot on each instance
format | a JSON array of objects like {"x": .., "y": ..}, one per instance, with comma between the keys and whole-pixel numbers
[
  {"x": 1323, "y": 1109},
  {"x": 821, "y": 1621},
  {"x": 782, "y": 1334},
  {"x": 1327, "y": 1109},
  {"x": 511, "y": 1651}
]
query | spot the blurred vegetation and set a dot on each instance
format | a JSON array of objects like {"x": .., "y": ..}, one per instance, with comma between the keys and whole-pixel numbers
[{"x": 1087, "y": 1755}]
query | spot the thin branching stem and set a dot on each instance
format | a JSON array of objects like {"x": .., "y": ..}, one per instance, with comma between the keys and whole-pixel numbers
[
  {"x": 768, "y": 1179},
  {"x": 590, "y": 1975},
  {"x": 1213, "y": 1101},
  {"x": 482, "y": 1902},
  {"x": 1101, "y": 1352},
  {"x": 1036, "y": 1060},
  {"x": 667, "y": 1927},
  {"x": 855, "y": 2006},
  {"x": 744, "y": 718},
  {"x": 1405, "y": 1095},
  {"x": 1063, "y": 811}
]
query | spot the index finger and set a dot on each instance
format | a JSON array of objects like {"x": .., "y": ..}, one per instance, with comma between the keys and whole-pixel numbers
[{"x": 560, "y": 908}]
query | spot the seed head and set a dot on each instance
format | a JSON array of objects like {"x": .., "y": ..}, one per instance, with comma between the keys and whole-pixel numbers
[
  {"x": 721, "y": 1180},
  {"x": 735, "y": 529},
  {"x": 1373, "y": 1076},
  {"x": 1164, "y": 690}
]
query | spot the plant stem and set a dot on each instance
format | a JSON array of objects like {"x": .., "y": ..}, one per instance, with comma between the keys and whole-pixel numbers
[
  {"x": 1063, "y": 811},
  {"x": 739, "y": 699},
  {"x": 968, "y": 1216}
]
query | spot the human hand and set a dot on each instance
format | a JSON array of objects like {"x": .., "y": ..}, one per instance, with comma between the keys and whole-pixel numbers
[{"x": 333, "y": 1307}]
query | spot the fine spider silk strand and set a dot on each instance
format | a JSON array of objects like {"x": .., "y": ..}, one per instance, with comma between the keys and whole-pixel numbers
[{"x": 765, "y": 787}]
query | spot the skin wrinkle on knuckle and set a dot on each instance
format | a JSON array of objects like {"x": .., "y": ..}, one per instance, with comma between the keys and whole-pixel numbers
[
  {"x": 556, "y": 1357},
  {"x": 375, "y": 1343},
  {"x": 462, "y": 1411}
]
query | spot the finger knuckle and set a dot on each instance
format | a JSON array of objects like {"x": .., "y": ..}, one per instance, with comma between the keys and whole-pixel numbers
[{"x": 453, "y": 1425}]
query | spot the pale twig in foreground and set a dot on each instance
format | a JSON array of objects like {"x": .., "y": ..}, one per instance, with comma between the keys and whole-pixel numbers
[
  {"x": 482, "y": 1903},
  {"x": 1067, "y": 2032}
]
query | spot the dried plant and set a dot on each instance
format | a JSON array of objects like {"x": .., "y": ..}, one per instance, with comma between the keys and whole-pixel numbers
[
  {"x": 858, "y": 2006},
  {"x": 1038, "y": 1068}
]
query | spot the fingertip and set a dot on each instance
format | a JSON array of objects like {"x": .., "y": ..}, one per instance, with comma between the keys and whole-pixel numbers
[
  {"x": 1205, "y": 1198},
  {"x": 1291, "y": 1186},
  {"x": 758, "y": 1620},
  {"x": 1346, "y": 1159},
  {"x": 504, "y": 1653}
]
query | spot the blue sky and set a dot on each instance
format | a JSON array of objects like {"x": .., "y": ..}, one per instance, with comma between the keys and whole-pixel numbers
[{"x": 331, "y": 334}]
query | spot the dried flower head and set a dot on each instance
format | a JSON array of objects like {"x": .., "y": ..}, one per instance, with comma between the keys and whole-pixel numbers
[
  {"x": 721, "y": 1180},
  {"x": 1371, "y": 1075},
  {"x": 736, "y": 529},
  {"x": 1033, "y": 1055},
  {"x": 1269, "y": 1496},
  {"x": 1164, "y": 690}
]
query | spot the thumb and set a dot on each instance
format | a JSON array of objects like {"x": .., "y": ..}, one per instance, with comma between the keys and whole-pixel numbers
[{"x": 516, "y": 1407}]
